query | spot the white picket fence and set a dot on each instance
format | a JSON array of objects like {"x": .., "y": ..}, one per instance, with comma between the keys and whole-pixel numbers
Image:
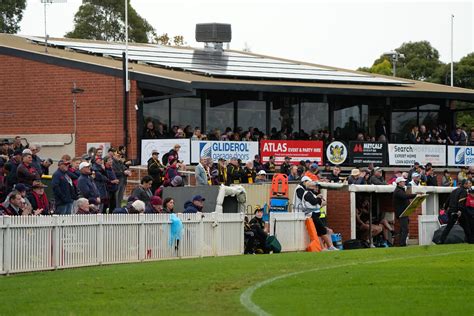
[{"x": 32, "y": 243}]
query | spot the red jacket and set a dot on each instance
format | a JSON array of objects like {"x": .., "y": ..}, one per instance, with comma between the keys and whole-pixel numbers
[{"x": 470, "y": 201}]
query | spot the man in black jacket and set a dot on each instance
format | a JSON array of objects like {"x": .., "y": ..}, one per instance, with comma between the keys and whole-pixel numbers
[
  {"x": 401, "y": 200},
  {"x": 456, "y": 204}
]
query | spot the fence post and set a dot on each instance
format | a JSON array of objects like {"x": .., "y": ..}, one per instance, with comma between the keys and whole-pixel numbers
[
  {"x": 56, "y": 243},
  {"x": 217, "y": 224},
  {"x": 141, "y": 237},
  {"x": 7, "y": 245},
  {"x": 100, "y": 239},
  {"x": 1, "y": 243},
  {"x": 201, "y": 237},
  {"x": 242, "y": 237}
]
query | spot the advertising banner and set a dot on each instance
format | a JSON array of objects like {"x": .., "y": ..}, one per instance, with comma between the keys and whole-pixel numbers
[
  {"x": 408, "y": 154},
  {"x": 296, "y": 149},
  {"x": 363, "y": 153},
  {"x": 460, "y": 156},
  {"x": 336, "y": 153},
  {"x": 223, "y": 149},
  {"x": 165, "y": 145}
]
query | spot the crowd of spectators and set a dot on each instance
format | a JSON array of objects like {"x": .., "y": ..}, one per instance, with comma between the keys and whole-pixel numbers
[{"x": 439, "y": 134}]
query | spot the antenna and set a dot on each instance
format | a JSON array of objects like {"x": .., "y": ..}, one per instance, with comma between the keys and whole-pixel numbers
[{"x": 46, "y": 36}]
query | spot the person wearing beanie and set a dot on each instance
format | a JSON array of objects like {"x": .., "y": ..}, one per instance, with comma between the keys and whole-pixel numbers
[
  {"x": 194, "y": 206},
  {"x": 155, "y": 207}
]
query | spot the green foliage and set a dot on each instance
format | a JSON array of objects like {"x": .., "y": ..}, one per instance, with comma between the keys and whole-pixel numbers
[
  {"x": 105, "y": 20},
  {"x": 420, "y": 62},
  {"x": 356, "y": 282},
  {"x": 11, "y": 13}
]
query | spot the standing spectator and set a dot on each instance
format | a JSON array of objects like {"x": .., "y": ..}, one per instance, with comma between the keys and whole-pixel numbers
[
  {"x": 160, "y": 131},
  {"x": 234, "y": 172},
  {"x": 285, "y": 166},
  {"x": 63, "y": 189},
  {"x": 261, "y": 177},
  {"x": 197, "y": 134},
  {"x": 155, "y": 170},
  {"x": 36, "y": 160},
  {"x": 431, "y": 179},
  {"x": 457, "y": 137},
  {"x": 446, "y": 180},
  {"x": 73, "y": 170},
  {"x": 149, "y": 130},
  {"x": 222, "y": 171},
  {"x": 456, "y": 206},
  {"x": 100, "y": 180},
  {"x": 142, "y": 191},
  {"x": 45, "y": 164},
  {"x": 425, "y": 137},
  {"x": 171, "y": 172},
  {"x": 18, "y": 145},
  {"x": 10, "y": 169},
  {"x": 401, "y": 200},
  {"x": 38, "y": 199},
  {"x": 195, "y": 205},
  {"x": 112, "y": 184},
  {"x": 83, "y": 207},
  {"x": 257, "y": 163},
  {"x": 462, "y": 174},
  {"x": 294, "y": 175},
  {"x": 380, "y": 127},
  {"x": 15, "y": 205},
  {"x": 415, "y": 180},
  {"x": 121, "y": 172},
  {"x": 86, "y": 185},
  {"x": 200, "y": 172},
  {"x": 413, "y": 137},
  {"x": 25, "y": 172}
]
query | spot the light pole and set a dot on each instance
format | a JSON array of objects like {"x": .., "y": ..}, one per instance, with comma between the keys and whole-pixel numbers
[
  {"x": 394, "y": 57},
  {"x": 452, "y": 42},
  {"x": 126, "y": 86}
]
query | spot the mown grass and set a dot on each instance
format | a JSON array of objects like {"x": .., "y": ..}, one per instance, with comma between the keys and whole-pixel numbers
[{"x": 420, "y": 280}]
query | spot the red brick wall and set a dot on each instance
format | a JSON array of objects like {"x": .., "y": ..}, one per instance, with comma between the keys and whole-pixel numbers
[
  {"x": 339, "y": 212},
  {"x": 35, "y": 98}
]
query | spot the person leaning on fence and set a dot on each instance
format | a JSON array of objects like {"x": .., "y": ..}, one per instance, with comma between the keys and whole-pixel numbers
[
  {"x": 456, "y": 207},
  {"x": 401, "y": 200},
  {"x": 155, "y": 206},
  {"x": 377, "y": 178},
  {"x": 195, "y": 205},
  {"x": 64, "y": 191},
  {"x": 82, "y": 206},
  {"x": 355, "y": 177}
]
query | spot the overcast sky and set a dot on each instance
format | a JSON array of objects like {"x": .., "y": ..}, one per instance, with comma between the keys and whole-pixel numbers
[{"x": 346, "y": 34}]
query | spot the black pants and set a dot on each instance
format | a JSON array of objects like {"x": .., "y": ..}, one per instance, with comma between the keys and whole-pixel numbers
[
  {"x": 453, "y": 218},
  {"x": 112, "y": 202},
  {"x": 249, "y": 240},
  {"x": 468, "y": 225},
  {"x": 404, "y": 221}
]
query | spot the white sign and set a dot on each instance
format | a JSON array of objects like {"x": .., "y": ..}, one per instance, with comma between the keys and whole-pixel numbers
[
  {"x": 336, "y": 153},
  {"x": 460, "y": 155},
  {"x": 165, "y": 145},
  {"x": 408, "y": 154},
  {"x": 104, "y": 146},
  {"x": 227, "y": 150}
]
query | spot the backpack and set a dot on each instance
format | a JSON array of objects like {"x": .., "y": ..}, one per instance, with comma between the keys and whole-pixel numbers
[
  {"x": 273, "y": 244},
  {"x": 164, "y": 159},
  {"x": 355, "y": 244}
]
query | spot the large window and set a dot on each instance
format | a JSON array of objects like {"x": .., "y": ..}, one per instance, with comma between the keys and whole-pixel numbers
[
  {"x": 158, "y": 112},
  {"x": 186, "y": 111},
  {"x": 251, "y": 114},
  {"x": 220, "y": 116},
  {"x": 314, "y": 116},
  {"x": 350, "y": 120},
  {"x": 402, "y": 123},
  {"x": 284, "y": 115}
]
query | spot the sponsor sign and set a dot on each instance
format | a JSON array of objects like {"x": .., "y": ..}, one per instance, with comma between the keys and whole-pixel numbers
[
  {"x": 165, "y": 145},
  {"x": 221, "y": 149},
  {"x": 336, "y": 153},
  {"x": 296, "y": 149},
  {"x": 362, "y": 153},
  {"x": 408, "y": 154},
  {"x": 461, "y": 155}
]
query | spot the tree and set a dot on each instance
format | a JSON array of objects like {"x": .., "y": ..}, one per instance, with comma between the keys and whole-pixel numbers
[
  {"x": 11, "y": 13},
  {"x": 105, "y": 20}
]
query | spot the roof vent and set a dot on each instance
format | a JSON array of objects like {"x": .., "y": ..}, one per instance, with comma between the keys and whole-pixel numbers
[{"x": 213, "y": 35}]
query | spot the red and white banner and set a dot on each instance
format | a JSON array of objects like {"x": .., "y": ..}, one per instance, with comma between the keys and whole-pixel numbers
[{"x": 296, "y": 149}]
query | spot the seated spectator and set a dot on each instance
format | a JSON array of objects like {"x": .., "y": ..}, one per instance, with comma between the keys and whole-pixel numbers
[
  {"x": 249, "y": 174},
  {"x": 15, "y": 205},
  {"x": 334, "y": 175},
  {"x": 143, "y": 192},
  {"x": 38, "y": 199},
  {"x": 286, "y": 165},
  {"x": 462, "y": 174},
  {"x": 257, "y": 163},
  {"x": 249, "y": 238},
  {"x": 355, "y": 177},
  {"x": 149, "y": 131},
  {"x": 234, "y": 172},
  {"x": 270, "y": 166},
  {"x": 294, "y": 175},
  {"x": 457, "y": 137},
  {"x": 135, "y": 207},
  {"x": 396, "y": 174},
  {"x": 446, "y": 180},
  {"x": 415, "y": 180},
  {"x": 82, "y": 207},
  {"x": 168, "y": 205},
  {"x": 195, "y": 205},
  {"x": 414, "y": 137},
  {"x": 431, "y": 179},
  {"x": 378, "y": 226},
  {"x": 261, "y": 177},
  {"x": 257, "y": 226},
  {"x": 313, "y": 171},
  {"x": 155, "y": 207},
  {"x": 377, "y": 178}
]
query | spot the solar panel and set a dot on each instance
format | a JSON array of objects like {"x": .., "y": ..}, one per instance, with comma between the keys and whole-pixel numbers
[{"x": 220, "y": 64}]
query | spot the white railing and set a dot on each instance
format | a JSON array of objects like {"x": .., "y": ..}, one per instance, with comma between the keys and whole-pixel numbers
[
  {"x": 427, "y": 225},
  {"x": 32, "y": 243},
  {"x": 290, "y": 230}
]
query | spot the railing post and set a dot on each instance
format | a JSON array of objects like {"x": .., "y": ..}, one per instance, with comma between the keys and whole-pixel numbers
[
  {"x": 141, "y": 237},
  {"x": 7, "y": 245},
  {"x": 100, "y": 239},
  {"x": 56, "y": 243},
  {"x": 218, "y": 218},
  {"x": 242, "y": 237},
  {"x": 1, "y": 243},
  {"x": 201, "y": 237}
]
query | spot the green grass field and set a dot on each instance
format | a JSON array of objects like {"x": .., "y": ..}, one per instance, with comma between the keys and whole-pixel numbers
[{"x": 436, "y": 280}]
